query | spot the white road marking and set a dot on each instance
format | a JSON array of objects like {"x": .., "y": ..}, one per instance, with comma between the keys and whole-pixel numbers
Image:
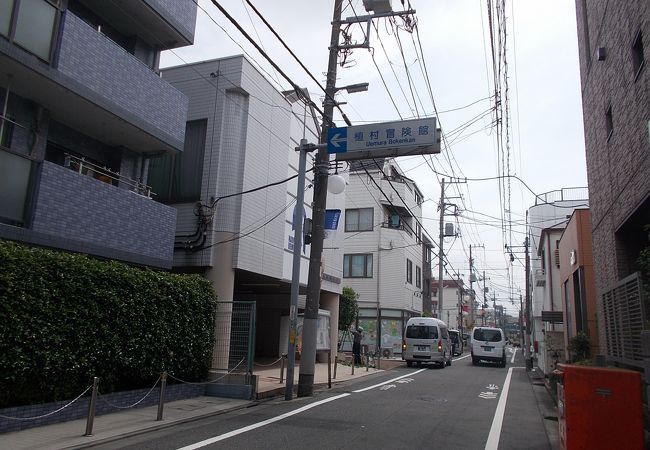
[
  {"x": 387, "y": 387},
  {"x": 462, "y": 357},
  {"x": 492, "y": 387},
  {"x": 495, "y": 430},
  {"x": 230, "y": 434},
  {"x": 514, "y": 353},
  {"x": 388, "y": 381},
  {"x": 488, "y": 395},
  {"x": 238, "y": 431}
]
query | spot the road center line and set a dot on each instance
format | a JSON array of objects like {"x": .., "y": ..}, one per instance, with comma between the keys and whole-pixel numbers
[{"x": 230, "y": 434}]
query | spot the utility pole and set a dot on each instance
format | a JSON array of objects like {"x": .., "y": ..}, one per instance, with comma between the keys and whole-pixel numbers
[
  {"x": 521, "y": 320},
  {"x": 471, "y": 286},
  {"x": 321, "y": 165},
  {"x": 529, "y": 357},
  {"x": 441, "y": 254}
]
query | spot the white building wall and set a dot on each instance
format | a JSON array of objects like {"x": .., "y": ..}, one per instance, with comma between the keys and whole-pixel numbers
[
  {"x": 545, "y": 217},
  {"x": 390, "y": 247}
]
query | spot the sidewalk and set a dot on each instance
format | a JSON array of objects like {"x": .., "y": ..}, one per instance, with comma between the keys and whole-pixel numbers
[{"x": 108, "y": 427}]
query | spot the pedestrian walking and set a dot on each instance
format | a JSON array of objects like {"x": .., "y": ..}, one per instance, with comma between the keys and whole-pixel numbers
[{"x": 357, "y": 335}]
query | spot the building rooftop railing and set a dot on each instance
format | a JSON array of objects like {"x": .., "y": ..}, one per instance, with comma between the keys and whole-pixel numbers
[{"x": 564, "y": 194}]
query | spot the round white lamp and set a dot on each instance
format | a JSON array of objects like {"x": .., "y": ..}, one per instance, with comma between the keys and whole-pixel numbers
[{"x": 336, "y": 184}]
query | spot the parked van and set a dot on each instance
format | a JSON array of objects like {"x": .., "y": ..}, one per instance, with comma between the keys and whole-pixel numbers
[
  {"x": 488, "y": 344},
  {"x": 456, "y": 342},
  {"x": 426, "y": 340}
]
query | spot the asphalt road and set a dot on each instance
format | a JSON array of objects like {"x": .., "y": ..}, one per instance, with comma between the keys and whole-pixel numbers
[{"x": 458, "y": 407}]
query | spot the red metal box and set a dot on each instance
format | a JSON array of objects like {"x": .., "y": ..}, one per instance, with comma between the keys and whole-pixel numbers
[{"x": 599, "y": 408}]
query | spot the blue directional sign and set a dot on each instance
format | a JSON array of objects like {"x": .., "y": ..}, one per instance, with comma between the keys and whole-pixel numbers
[{"x": 406, "y": 137}]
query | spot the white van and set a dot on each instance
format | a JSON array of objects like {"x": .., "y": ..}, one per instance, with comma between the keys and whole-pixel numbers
[
  {"x": 488, "y": 344},
  {"x": 426, "y": 340}
]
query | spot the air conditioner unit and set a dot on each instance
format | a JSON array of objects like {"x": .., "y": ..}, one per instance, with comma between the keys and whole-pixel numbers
[{"x": 386, "y": 352}]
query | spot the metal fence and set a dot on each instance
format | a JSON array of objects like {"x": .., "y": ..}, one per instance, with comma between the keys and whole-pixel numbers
[
  {"x": 625, "y": 316},
  {"x": 235, "y": 337}
]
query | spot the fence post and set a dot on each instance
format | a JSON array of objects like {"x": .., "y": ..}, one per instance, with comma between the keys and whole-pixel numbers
[
  {"x": 91, "y": 408},
  {"x": 352, "y": 365},
  {"x": 329, "y": 369},
  {"x": 282, "y": 357},
  {"x": 161, "y": 401},
  {"x": 336, "y": 364}
]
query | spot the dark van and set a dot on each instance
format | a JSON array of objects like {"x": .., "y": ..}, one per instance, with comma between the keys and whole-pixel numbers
[{"x": 456, "y": 342}]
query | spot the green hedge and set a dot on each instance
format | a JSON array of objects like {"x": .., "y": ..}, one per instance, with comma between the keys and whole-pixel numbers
[{"x": 65, "y": 318}]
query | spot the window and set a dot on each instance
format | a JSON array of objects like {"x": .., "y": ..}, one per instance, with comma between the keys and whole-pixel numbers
[
  {"x": 609, "y": 123},
  {"x": 409, "y": 271},
  {"x": 638, "y": 60},
  {"x": 178, "y": 177},
  {"x": 418, "y": 198},
  {"x": 418, "y": 277},
  {"x": 358, "y": 219},
  {"x": 422, "y": 332},
  {"x": 395, "y": 221},
  {"x": 357, "y": 266},
  {"x": 418, "y": 232},
  {"x": 31, "y": 24}
]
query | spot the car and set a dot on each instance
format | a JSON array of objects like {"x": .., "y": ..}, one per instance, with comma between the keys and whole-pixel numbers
[
  {"x": 456, "y": 342},
  {"x": 426, "y": 340},
  {"x": 488, "y": 344}
]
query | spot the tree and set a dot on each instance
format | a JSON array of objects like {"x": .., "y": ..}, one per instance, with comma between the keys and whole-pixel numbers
[{"x": 348, "y": 308}]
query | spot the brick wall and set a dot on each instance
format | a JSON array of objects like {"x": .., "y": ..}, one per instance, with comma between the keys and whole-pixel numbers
[{"x": 618, "y": 165}]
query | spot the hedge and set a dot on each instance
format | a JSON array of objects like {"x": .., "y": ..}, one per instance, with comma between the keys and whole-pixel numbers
[{"x": 65, "y": 318}]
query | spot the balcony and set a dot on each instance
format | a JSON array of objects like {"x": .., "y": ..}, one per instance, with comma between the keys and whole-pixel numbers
[
  {"x": 79, "y": 211},
  {"x": 96, "y": 86},
  {"x": 162, "y": 23}
]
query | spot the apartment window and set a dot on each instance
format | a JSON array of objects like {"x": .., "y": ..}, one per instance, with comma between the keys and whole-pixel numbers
[
  {"x": 357, "y": 266},
  {"x": 418, "y": 277},
  {"x": 638, "y": 59},
  {"x": 409, "y": 271},
  {"x": 609, "y": 123},
  {"x": 358, "y": 219},
  {"x": 31, "y": 24},
  {"x": 418, "y": 198},
  {"x": 418, "y": 232},
  {"x": 178, "y": 177}
]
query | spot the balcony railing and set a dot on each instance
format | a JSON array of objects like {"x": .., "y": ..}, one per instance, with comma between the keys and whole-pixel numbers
[{"x": 106, "y": 175}]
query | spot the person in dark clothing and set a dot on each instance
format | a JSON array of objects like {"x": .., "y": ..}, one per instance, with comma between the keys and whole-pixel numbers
[{"x": 356, "y": 345}]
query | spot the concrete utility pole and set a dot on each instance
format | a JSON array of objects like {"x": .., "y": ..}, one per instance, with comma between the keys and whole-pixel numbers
[
  {"x": 441, "y": 254},
  {"x": 321, "y": 166},
  {"x": 529, "y": 357}
]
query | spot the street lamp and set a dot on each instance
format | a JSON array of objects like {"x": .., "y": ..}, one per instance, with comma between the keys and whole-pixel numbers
[{"x": 353, "y": 88}]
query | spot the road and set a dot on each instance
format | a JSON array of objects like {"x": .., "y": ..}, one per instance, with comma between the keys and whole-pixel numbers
[{"x": 458, "y": 407}]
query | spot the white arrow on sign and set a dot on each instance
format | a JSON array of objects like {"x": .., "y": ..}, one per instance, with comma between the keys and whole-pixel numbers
[{"x": 336, "y": 139}]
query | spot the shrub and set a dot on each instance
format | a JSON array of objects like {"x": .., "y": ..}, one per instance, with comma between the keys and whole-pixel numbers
[
  {"x": 65, "y": 318},
  {"x": 579, "y": 347},
  {"x": 348, "y": 308}
]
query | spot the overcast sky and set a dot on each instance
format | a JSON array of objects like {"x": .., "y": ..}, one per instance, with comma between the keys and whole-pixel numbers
[{"x": 545, "y": 142}]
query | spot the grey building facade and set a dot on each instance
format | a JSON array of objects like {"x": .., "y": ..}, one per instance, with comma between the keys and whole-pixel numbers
[{"x": 83, "y": 111}]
